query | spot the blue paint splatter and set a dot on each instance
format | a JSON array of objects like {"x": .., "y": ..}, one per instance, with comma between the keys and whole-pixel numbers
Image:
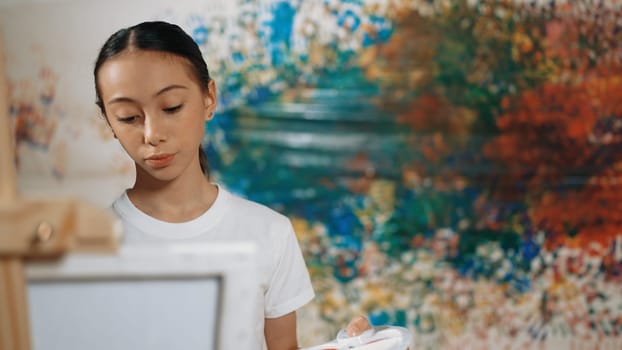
[
  {"x": 198, "y": 31},
  {"x": 281, "y": 30},
  {"x": 350, "y": 18},
  {"x": 384, "y": 31}
]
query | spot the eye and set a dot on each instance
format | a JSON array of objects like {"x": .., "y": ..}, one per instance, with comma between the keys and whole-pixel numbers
[
  {"x": 171, "y": 110},
  {"x": 128, "y": 119}
]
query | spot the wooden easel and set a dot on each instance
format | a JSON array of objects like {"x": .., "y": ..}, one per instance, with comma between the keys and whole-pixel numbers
[{"x": 36, "y": 229}]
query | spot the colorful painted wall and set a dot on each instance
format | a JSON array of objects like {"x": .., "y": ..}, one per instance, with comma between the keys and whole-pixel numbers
[{"x": 449, "y": 166}]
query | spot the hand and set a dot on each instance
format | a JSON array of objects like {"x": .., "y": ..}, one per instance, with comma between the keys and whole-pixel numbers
[{"x": 358, "y": 325}]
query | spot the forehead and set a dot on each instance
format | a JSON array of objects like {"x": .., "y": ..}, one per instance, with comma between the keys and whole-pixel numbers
[{"x": 144, "y": 71}]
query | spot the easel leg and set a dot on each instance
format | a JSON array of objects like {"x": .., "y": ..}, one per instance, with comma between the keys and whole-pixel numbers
[{"x": 14, "y": 326}]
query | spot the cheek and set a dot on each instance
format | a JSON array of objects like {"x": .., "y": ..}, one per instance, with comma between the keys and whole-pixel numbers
[
  {"x": 126, "y": 136},
  {"x": 198, "y": 132},
  {"x": 196, "y": 124}
]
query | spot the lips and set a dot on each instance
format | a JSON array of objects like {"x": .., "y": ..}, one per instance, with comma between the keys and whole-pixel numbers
[{"x": 159, "y": 160}]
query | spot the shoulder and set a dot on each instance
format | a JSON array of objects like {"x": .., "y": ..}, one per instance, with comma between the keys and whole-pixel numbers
[{"x": 254, "y": 213}]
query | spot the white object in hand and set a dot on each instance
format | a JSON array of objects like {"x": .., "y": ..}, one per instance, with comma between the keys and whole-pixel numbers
[{"x": 383, "y": 338}]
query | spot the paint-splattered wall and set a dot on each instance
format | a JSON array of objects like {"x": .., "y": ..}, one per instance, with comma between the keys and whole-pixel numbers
[{"x": 449, "y": 166}]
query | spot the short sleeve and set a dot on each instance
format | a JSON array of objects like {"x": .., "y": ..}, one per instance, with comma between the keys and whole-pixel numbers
[{"x": 290, "y": 285}]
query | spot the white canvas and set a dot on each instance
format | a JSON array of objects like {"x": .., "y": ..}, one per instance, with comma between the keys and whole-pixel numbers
[{"x": 147, "y": 297}]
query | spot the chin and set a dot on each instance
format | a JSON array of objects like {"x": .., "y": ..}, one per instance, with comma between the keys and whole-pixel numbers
[{"x": 160, "y": 175}]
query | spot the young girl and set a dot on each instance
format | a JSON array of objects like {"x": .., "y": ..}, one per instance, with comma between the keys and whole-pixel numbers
[{"x": 154, "y": 89}]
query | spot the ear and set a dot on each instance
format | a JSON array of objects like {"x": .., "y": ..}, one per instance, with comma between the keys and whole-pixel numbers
[{"x": 210, "y": 98}]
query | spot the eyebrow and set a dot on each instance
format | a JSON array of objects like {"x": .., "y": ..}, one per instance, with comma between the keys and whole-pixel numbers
[{"x": 163, "y": 90}]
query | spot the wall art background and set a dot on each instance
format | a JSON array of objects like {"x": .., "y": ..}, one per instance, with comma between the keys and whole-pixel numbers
[{"x": 450, "y": 166}]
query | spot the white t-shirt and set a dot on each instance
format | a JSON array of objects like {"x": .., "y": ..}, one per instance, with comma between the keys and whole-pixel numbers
[{"x": 284, "y": 278}]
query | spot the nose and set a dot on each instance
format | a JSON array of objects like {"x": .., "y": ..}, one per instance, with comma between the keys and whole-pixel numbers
[{"x": 155, "y": 131}]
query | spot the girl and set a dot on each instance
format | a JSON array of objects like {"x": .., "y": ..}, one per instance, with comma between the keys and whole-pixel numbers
[{"x": 154, "y": 89}]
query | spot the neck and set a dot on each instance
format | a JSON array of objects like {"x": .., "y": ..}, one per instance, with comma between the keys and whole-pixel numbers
[{"x": 177, "y": 200}]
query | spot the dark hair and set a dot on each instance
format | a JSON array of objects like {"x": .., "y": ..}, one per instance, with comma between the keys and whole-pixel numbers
[{"x": 156, "y": 36}]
